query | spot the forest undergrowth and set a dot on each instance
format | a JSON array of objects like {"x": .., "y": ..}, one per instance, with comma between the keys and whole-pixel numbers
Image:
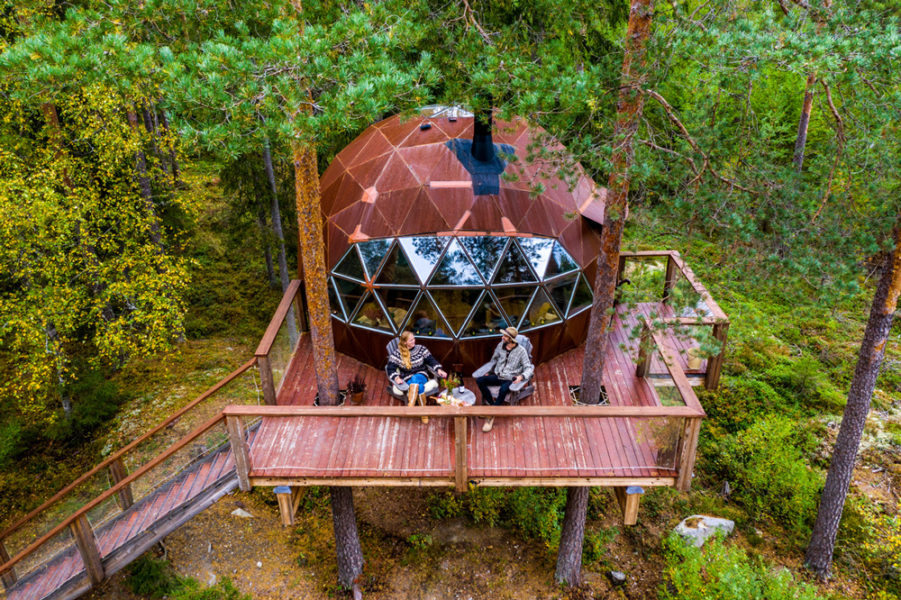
[{"x": 763, "y": 450}]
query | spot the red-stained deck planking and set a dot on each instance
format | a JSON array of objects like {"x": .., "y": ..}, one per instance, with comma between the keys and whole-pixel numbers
[{"x": 310, "y": 448}]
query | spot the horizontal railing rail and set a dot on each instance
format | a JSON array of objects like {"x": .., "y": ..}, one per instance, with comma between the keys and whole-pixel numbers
[{"x": 582, "y": 411}]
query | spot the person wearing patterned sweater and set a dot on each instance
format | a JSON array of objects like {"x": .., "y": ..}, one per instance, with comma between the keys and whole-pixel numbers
[{"x": 409, "y": 364}]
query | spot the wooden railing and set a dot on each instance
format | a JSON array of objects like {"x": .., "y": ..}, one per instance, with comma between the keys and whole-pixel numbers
[
  {"x": 278, "y": 327},
  {"x": 121, "y": 488},
  {"x": 715, "y": 318},
  {"x": 115, "y": 465},
  {"x": 651, "y": 339}
]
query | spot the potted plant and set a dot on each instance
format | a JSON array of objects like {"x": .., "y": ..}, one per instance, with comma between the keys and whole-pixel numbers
[
  {"x": 451, "y": 382},
  {"x": 355, "y": 389}
]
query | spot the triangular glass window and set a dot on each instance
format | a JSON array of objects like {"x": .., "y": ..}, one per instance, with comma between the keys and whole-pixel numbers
[
  {"x": 561, "y": 291},
  {"x": 334, "y": 304},
  {"x": 349, "y": 293},
  {"x": 350, "y": 266},
  {"x": 538, "y": 251},
  {"x": 424, "y": 253},
  {"x": 456, "y": 304},
  {"x": 426, "y": 321},
  {"x": 485, "y": 320},
  {"x": 541, "y": 312},
  {"x": 371, "y": 314},
  {"x": 514, "y": 301},
  {"x": 397, "y": 270},
  {"x": 455, "y": 269},
  {"x": 582, "y": 297},
  {"x": 397, "y": 303},
  {"x": 513, "y": 267},
  {"x": 485, "y": 250},
  {"x": 560, "y": 262},
  {"x": 372, "y": 253}
]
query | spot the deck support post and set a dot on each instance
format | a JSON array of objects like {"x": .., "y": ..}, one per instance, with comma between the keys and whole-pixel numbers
[
  {"x": 239, "y": 448},
  {"x": 715, "y": 363},
  {"x": 266, "y": 379},
  {"x": 628, "y": 498},
  {"x": 687, "y": 452},
  {"x": 288, "y": 501},
  {"x": 8, "y": 577},
  {"x": 461, "y": 473},
  {"x": 87, "y": 547},
  {"x": 670, "y": 280},
  {"x": 117, "y": 473}
]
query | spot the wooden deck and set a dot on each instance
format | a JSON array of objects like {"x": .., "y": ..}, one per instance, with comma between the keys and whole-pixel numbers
[{"x": 520, "y": 450}]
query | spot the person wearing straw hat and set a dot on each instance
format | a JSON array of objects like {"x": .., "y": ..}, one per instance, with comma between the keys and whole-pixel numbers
[{"x": 509, "y": 364}]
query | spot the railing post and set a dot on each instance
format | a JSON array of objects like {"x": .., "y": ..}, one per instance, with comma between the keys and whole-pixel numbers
[
  {"x": 240, "y": 451},
  {"x": 461, "y": 472},
  {"x": 644, "y": 356},
  {"x": 687, "y": 453},
  {"x": 8, "y": 577},
  {"x": 266, "y": 379},
  {"x": 670, "y": 279},
  {"x": 715, "y": 363},
  {"x": 87, "y": 547},
  {"x": 117, "y": 473}
]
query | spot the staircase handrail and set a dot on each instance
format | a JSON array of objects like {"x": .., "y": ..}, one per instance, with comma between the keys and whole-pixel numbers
[{"x": 124, "y": 450}]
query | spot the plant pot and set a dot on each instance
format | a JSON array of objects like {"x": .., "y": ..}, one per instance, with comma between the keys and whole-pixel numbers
[{"x": 356, "y": 397}]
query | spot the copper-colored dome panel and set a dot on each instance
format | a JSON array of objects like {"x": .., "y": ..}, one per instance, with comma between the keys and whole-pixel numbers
[{"x": 406, "y": 177}]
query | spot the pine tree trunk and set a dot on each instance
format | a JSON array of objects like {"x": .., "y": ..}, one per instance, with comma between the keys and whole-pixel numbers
[
  {"x": 267, "y": 252},
  {"x": 628, "y": 114},
  {"x": 803, "y": 122},
  {"x": 280, "y": 237},
  {"x": 173, "y": 160},
  {"x": 869, "y": 361},
  {"x": 569, "y": 556},
  {"x": 309, "y": 230},
  {"x": 347, "y": 541}
]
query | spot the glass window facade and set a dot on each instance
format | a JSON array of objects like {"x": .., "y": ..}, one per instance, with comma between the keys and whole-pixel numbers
[{"x": 448, "y": 287}]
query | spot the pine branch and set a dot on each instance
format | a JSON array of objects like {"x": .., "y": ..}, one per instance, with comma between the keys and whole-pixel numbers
[
  {"x": 706, "y": 166},
  {"x": 840, "y": 137}
]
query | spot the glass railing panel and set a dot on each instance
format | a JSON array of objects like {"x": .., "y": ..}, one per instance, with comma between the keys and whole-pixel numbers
[
  {"x": 57, "y": 512},
  {"x": 284, "y": 346},
  {"x": 58, "y": 559},
  {"x": 579, "y": 447}
]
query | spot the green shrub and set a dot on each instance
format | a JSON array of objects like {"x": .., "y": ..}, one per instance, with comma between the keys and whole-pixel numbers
[
  {"x": 537, "y": 513},
  {"x": 485, "y": 505},
  {"x": 445, "y": 505},
  {"x": 594, "y": 548},
  {"x": 151, "y": 578},
  {"x": 11, "y": 443},
  {"x": 724, "y": 572},
  {"x": 768, "y": 474},
  {"x": 190, "y": 589},
  {"x": 740, "y": 402},
  {"x": 95, "y": 401}
]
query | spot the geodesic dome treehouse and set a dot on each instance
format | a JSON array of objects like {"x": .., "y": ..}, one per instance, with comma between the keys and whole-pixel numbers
[{"x": 435, "y": 225}]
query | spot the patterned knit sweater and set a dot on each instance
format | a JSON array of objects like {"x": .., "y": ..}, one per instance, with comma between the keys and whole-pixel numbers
[{"x": 420, "y": 359}]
